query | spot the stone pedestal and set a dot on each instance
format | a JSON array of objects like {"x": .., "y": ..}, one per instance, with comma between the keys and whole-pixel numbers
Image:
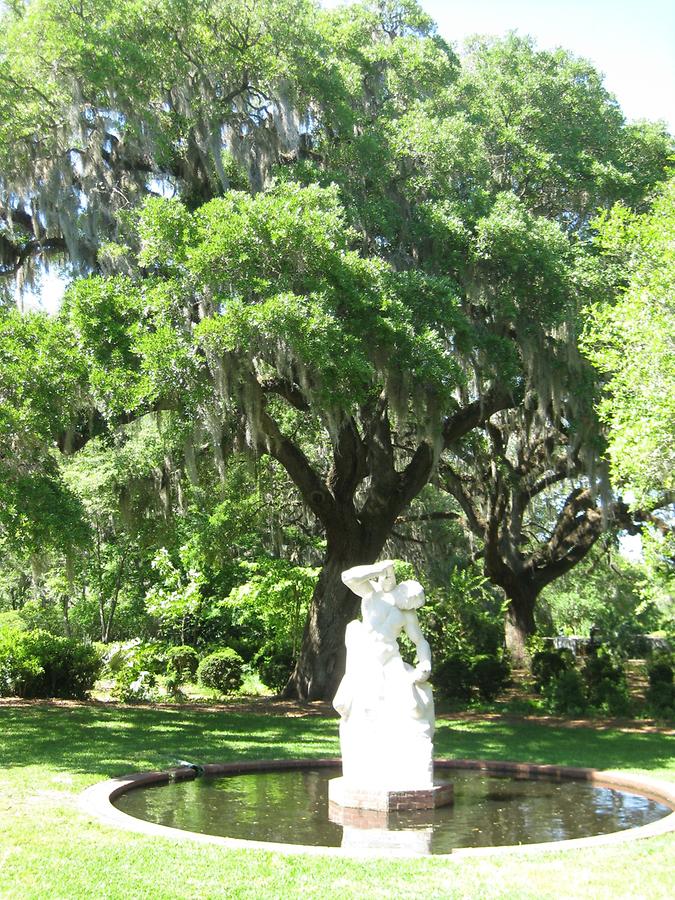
[{"x": 342, "y": 793}]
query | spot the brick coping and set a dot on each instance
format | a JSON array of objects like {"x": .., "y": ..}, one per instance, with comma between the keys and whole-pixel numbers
[{"x": 97, "y": 802}]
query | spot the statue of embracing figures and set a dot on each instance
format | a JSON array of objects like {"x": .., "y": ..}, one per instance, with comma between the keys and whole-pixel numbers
[{"x": 386, "y": 705}]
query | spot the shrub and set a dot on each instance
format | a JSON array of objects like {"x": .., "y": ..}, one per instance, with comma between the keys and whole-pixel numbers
[
  {"x": 615, "y": 698},
  {"x": 182, "y": 661},
  {"x": 547, "y": 664},
  {"x": 463, "y": 618},
  {"x": 490, "y": 674},
  {"x": 134, "y": 686},
  {"x": 266, "y": 616},
  {"x": 172, "y": 684},
  {"x": 452, "y": 677},
  {"x": 660, "y": 668},
  {"x": 221, "y": 671},
  {"x": 274, "y": 664},
  {"x": 134, "y": 666},
  {"x": 17, "y": 665},
  {"x": 118, "y": 656},
  {"x": 457, "y": 676},
  {"x": 661, "y": 699},
  {"x": 565, "y": 693},
  {"x": 605, "y": 679},
  {"x": 40, "y": 664},
  {"x": 661, "y": 691}
]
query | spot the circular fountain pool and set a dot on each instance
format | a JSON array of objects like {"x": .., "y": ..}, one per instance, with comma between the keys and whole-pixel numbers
[{"x": 496, "y": 805}]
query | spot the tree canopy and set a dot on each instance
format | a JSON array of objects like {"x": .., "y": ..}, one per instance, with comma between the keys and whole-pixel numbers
[
  {"x": 630, "y": 340},
  {"x": 319, "y": 235}
]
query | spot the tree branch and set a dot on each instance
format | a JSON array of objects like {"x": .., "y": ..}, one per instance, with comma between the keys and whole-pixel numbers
[
  {"x": 290, "y": 392},
  {"x": 468, "y": 417}
]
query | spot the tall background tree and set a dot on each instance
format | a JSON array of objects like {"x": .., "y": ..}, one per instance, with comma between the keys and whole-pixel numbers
[{"x": 355, "y": 333}]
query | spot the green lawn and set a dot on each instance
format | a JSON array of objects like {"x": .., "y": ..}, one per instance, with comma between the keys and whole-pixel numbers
[{"x": 49, "y": 849}]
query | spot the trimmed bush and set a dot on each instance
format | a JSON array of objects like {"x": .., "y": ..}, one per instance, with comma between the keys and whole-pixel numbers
[
  {"x": 221, "y": 671},
  {"x": 182, "y": 661},
  {"x": 490, "y": 675},
  {"x": 548, "y": 664},
  {"x": 565, "y": 694},
  {"x": 661, "y": 690},
  {"x": 452, "y": 677},
  {"x": 606, "y": 686},
  {"x": 274, "y": 665},
  {"x": 40, "y": 664}
]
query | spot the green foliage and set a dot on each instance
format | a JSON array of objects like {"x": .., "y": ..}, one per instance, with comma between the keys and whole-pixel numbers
[
  {"x": 134, "y": 667},
  {"x": 134, "y": 685},
  {"x": 463, "y": 616},
  {"x": 41, "y": 393},
  {"x": 607, "y": 594},
  {"x": 39, "y": 664},
  {"x": 548, "y": 664},
  {"x": 660, "y": 668},
  {"x": 452, "y": 677},
  {"x": 461, "y": 675},
  {"x": 135, "y": 655},
  {"x": 464, "y": 624},
  {"x": 570, "y": 689},
  {"x": 176, "y": 597},
  {"x": 490, "y": 674},
  {"x": 266, "y": 616},
  {"x": 424, "y": 238},
  {"x": 629, "y": 340},
  {"x": 135, "y": 77},
  {"x": 565, "y": 693},
  {"x": 222, "y": 670},
  {"x": 605, "y": 680},
  {"x": 552, "y": 132},
  {"x": 183, "y": 660},
  {"x": 661, "y": 691},
  {"x": 286, "y": 281}
]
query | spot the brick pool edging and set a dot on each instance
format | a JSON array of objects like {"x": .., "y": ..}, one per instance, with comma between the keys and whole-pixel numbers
[{"x": 97, "y": 801}]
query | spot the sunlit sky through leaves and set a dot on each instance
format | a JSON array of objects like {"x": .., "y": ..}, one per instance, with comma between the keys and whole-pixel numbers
[{"x": 631, "y": 41}]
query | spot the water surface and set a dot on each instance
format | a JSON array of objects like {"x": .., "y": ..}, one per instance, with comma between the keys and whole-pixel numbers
[{"x": 291, "y": 806}]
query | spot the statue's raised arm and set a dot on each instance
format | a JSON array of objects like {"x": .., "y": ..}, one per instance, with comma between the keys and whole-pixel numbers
[{"x": 365, "y": 580}]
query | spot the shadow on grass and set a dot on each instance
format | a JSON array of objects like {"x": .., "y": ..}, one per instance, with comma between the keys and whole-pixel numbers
[
  {"x": 111, "y": 742},
  {"x": 107, "y": 742},
  {"x": 558, "y": 745}
]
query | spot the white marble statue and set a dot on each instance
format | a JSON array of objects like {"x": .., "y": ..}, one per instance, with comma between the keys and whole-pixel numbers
[{"x": 386, "y": 706}]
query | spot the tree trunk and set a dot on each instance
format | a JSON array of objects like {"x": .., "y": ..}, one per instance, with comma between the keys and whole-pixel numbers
[
  {"x": 321, "y": 663},
  {"x": 65, "y": 608},
  {"x": 520, "y": 624}
]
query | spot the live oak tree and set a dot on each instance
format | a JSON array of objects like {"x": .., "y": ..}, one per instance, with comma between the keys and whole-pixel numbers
[
  {"x": 101, "y": 105},
  {"x": 525, "y": 494},
  {"x": 256, "y": 307},
  {"x": 438, "y": 289},
  {"x": 553, "y": 148}
]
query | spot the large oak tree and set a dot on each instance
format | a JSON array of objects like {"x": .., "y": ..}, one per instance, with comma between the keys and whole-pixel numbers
[{"x": 438, "y": 285}]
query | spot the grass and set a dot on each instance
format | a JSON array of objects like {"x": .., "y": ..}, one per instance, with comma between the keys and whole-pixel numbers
[{"x": 50, "y": 849}]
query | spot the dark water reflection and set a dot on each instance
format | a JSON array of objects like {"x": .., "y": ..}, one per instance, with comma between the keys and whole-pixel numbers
[{"x": 292, "y": 807}]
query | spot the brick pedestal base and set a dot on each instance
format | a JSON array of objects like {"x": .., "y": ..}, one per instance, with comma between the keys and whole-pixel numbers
[{"x": 341, "y": 794}]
